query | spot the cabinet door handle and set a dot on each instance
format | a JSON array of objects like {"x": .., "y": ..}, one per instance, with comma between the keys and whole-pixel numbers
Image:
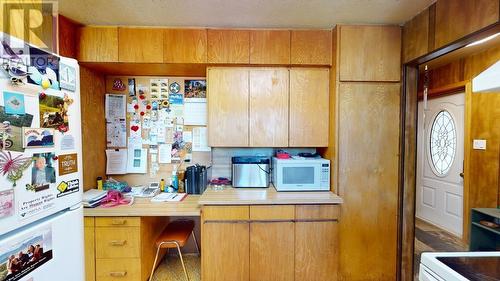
[
  {"x": 118, "y": 222},
  {"x": 118, "y": 242},
  {"x": 118, "y": 273}
]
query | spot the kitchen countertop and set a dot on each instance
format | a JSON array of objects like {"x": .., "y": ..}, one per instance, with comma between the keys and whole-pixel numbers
[{"x": 266, "y": 196}]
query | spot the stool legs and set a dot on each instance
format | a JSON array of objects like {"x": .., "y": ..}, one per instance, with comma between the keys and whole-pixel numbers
[
  {"x": 196, "y": 243},
  {"x": 182, "y": 260},
  {"x": 180, "y": 256},
  {"x": 154, "y": 263}
]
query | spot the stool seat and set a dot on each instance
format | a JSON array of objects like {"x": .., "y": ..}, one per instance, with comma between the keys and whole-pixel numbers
[{"x": 177, "y": 231}]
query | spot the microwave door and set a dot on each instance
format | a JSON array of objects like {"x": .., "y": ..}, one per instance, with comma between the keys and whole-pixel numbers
[{"x": 298, "y": 176}]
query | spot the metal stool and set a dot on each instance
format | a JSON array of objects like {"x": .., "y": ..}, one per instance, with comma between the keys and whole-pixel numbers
[{"x": 175, "y": 235}]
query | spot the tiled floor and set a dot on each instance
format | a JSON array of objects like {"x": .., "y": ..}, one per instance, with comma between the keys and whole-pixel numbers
[
  {"x": 171, "y": 269},
  {"x": 429, "y": 238}
]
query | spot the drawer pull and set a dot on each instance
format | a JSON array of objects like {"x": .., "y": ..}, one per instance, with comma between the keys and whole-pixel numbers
[
  {"x": 118, "y": 222},
  {"x": 118, "y": 274},
  {"x": 118, "y": 242}
]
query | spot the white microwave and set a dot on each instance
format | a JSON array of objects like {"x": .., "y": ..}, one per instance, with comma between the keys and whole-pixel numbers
[{"x": 301, "y": 174}]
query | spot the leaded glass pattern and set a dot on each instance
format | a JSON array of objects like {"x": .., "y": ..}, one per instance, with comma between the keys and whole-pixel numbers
[{"x": 443, "y": 142}]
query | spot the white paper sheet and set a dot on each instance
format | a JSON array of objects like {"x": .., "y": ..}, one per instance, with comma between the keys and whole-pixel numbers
[
  {"x": 137, "y": 160},
  {"x": 195, "y": 113},
  {"x": 187, "y": 136},
  {"x": 115, "y": 106},
  {"x": 134, "y": 143},
  {"x": 200, "y": 140},
  {"x": 116, "y": 133},
  {"x": 165, "y": 153},
  {"x": 116, "y": 161}
]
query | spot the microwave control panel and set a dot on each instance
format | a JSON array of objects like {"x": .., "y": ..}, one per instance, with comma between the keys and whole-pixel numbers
[{"x": 325, "y": 175}]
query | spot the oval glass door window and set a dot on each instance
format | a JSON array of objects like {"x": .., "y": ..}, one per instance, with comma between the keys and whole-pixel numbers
[{"x": 443, "y": 143}]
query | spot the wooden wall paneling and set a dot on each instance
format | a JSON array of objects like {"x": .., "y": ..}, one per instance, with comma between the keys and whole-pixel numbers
[
  {"x": 92, "y": 89},
  {"x": 361, "y": 59},
  {"x": 150, "y": 69},
  {"x": 466, "y": 168},
  {"x": 140, "y": 45},
  {"x": 457, "y": 18},
  {"x": 368, "y": 179},
  {"x": 97, "y": 44},
  {"x": 227, "y": 96},
  {"x": 272, "y": 251},
  {"x": 484, "y": 164},
  {"x": 185, "y": 45},
  {"x": 268, "y": 125},
  {"x": 316, "y": 251},
  {"x": 311, "y": 47},
  {"x": 309, "y": 104},
  {"x": 416, "y": 36},
  {"x": 228, "y": 245},
  {"x": 270, "y": 47},
  {"x": 67, "y": 37},
  {"x": 228, "y": 46}
]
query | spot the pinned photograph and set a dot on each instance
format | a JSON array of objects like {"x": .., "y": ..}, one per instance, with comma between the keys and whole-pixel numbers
[
  {"x": 43, "y": 173},
  {"x": 11, "y": 135},
  {"x": 14, "y": 103},
  {"x": 54, "y": 112},
  {"x": 38, "y": 137},
  {"x": 25, "y": 254},
  {"x": 44, "y": 69},
  {"x": 195, "y": 89}
]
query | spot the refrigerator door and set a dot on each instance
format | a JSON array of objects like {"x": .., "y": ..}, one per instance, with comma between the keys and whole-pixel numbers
[
  {"x": 51, "y": 250},
  {"x": 25, "y": 201}
]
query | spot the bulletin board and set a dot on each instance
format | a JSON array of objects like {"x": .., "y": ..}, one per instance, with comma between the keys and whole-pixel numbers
[{"x": 180, "y": 129}]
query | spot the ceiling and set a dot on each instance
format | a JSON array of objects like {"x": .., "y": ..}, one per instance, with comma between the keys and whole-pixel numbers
[{"x": 241, "y": 13}]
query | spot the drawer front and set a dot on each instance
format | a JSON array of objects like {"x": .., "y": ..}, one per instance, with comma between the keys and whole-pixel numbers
[
  {"x": 221, "y": 213},
  {"x": 88, "y": 221},
  {"x": 117, "y": 242},
  {"x": 118, "y": 269},
  {"x": 118, "y": 221},
  {"x": 317, "y": 212},
  {"x": 272, "y": 212}
]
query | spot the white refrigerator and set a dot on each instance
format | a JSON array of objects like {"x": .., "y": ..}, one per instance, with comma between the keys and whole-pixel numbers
[{"x": 41, "y": 217}]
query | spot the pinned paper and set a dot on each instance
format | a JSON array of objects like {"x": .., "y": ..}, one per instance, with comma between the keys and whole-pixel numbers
[
  {"x": 115, "y": 106},
  {"x": 116, "y": 161},
  {"x": 137, "y": 160},
  {"x": 164, "y": 153},
  {"x": 200, "y": 140}
]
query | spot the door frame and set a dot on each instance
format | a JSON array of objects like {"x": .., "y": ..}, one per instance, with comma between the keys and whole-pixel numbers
[{"x": 408, "y": 149}]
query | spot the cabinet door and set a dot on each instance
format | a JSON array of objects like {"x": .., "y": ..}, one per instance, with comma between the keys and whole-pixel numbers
[
  {"x": 316, "y": 251},
  {"x": 370, "y": 53},
  {"x": 311, "y": 47},
  {"x": 272, "y": 251},
  {"x": 269, "y": 107},
  {"x": 270, "y": 47},
  {"x": 225, "y": 251},
  {"x": 89, "y": 243},
  {"x": 185, "y": 46},
  {"x": 457, "y": 18},
  {"x": 97, "y": 44},
  {"x": 228, "y": 46},
  {"x": 309, "y": 107},
  {"x": 140, "y": 45},
  {"x": 228, "y": 106}
]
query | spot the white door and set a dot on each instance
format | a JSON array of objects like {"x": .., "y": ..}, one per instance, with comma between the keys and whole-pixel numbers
[{"x": 440, "y": 156}]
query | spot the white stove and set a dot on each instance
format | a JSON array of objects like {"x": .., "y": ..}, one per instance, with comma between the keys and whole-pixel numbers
[{"x": 460, "y": 266}]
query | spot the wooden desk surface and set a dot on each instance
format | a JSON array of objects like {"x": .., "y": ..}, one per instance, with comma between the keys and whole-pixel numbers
[{"x": 143, "y": 207}]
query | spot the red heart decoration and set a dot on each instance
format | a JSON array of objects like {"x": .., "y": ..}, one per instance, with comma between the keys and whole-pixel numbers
[
  {"x": 42, "y": 95},
  {"x": 55, "y": 157},
  {"x": 134, "y": 128}
]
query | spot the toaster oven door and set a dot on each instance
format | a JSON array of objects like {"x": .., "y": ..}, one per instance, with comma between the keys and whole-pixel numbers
[{"x": 250, "y": 175}]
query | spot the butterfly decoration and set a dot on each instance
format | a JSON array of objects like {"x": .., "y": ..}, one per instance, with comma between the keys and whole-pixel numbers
[{"x": 13, "y": 167}]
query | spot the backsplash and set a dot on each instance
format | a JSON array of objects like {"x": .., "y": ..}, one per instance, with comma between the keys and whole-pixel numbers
[{"x": 221, "y": 157}]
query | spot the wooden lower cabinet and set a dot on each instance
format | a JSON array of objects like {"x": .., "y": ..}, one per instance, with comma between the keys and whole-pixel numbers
[
  {"x": 270, "y": 242},
  {"x": 120, "y": 248},
  {"x": 225, "y": 251},
  {"x": 271, "y": 251},
  {"x": 316, "y": 251}
]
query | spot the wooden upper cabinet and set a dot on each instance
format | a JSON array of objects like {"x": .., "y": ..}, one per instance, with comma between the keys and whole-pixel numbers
[
  {"x": 185, "y": 45},
  {"x": 143, "y": 45},
  {"x": 416, "y": 36},
  {"x": 370, "y": 53},
  {"x": 228, "y": 46},
  {"x": 97, "y": 44},
  {"x": 309, "y": 103},
  {"x": 458, "y": 18},
  {"x": 227, "y": 95},
  {"x": 270, "y": 47},
  {"x": 311, "y": 47},
  {"x": 269, "y": 107}
]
